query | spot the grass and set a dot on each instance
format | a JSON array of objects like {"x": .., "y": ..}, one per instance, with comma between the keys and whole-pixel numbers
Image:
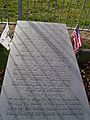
[
  {"x": 32, "y": 10},
  {"x": 3, "y": 57}
]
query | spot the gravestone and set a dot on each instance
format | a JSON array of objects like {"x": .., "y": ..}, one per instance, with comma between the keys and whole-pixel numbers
[{"x": 42, "y": 79}]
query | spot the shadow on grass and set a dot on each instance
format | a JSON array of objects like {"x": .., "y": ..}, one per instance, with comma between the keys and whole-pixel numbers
[
  {"x": 3, "y": 57},
  {"x": 3, "y": 62}
]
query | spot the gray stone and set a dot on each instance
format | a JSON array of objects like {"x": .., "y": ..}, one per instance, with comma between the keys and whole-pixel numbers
[{"x": 42, "y": 79}]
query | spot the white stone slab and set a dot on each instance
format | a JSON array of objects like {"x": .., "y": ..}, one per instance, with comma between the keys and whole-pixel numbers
[{"x": 42, "y": 79}]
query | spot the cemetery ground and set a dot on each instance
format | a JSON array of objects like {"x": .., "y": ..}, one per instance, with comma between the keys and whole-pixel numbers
[
  {"x": 84, "y": 68},
  {"x": 50, "y": 10}
]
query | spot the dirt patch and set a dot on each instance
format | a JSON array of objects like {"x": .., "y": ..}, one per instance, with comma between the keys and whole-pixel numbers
[{"x": 85, "y": 72}]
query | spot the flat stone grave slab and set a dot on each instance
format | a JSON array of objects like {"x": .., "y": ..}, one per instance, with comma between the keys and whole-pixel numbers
[{"x": 42, "y": 79}]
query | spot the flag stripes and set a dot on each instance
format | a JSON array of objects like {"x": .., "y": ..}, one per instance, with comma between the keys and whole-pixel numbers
[{"x": 76, "y": 39}]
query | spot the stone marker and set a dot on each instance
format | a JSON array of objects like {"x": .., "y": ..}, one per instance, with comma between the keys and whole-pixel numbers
[{"x": 42, "y": 79}]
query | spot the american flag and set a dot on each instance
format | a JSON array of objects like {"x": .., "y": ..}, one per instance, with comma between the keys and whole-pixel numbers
[{"x": 76, "y": 39}]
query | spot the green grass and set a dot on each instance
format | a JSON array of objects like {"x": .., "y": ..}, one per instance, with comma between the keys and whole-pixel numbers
[
  {"x": 48, "y": 15},
  {"x": 43, "y": 15},
  {"x": 3, "y": 57}
]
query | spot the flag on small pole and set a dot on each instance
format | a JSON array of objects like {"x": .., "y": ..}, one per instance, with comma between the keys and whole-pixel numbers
[
  {"x": 76, "y": 39},
  {"x": 5, "y": 39}
]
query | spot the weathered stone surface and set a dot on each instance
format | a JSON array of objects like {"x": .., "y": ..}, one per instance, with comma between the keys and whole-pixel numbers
[{"x": 42, "y": 79}]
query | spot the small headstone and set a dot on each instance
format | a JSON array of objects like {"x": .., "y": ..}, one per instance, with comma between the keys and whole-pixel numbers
[{"x": 42, "y": 79}]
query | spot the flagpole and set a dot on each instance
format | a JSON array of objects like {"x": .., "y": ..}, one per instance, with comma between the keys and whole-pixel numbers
[{"x": 76, "y": 26}]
